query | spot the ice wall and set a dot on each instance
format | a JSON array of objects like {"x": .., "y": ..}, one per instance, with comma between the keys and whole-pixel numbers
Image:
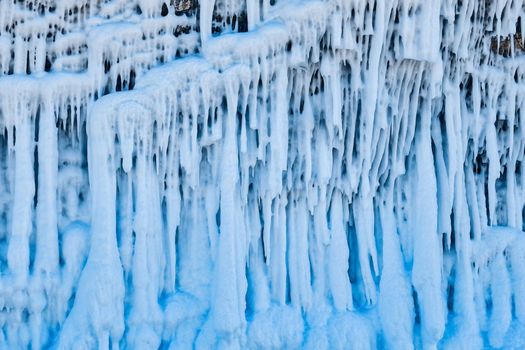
[{"x": 262, "y": 174}]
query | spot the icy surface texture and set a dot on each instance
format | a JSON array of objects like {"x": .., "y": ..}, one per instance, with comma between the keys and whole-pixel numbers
[{"x": 262, "y": 174}]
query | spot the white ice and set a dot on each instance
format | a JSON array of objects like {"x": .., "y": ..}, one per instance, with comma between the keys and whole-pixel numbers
[{"x": 316, "y": 174}]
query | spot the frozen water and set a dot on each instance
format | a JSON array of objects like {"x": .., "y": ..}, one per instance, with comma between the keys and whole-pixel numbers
[{"x": 317, "y": 174}]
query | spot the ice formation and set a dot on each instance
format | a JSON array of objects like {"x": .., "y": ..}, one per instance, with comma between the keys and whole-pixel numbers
[{"x": 317, "y": 174}]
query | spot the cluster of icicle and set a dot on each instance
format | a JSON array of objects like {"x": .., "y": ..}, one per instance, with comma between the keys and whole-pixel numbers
[{"x": 345, "y": 175}]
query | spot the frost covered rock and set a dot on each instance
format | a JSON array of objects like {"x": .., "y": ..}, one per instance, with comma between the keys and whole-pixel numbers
[{"x": 262, "y": 174}]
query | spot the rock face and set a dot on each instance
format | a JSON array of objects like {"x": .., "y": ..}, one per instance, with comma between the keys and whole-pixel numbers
[{"x": 262, "y": 174}]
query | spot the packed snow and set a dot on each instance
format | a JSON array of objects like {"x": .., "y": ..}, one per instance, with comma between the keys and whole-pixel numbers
[{"x": 268, "y": 174}]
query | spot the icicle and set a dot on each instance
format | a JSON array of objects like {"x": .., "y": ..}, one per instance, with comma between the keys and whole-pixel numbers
[
  {"x": 173, "y": 218},
  {"x": 18, "y": 250},
  {"x": 426, "y": 270},
  {"x": 145, "y": 318},
  {"x": 278, "y": 263},
  {"x": 298, "y": 262},
  {"x": 338, "y": 258},
  {"x": 225, "y": 307},
  {"x": 364, "y": 222},
  {"x": 395, "y": 304},
  {"x": 47, "y": 256},
  {"x": 252, "y": 9},
  {"x": 501, "y": 315},
  {"x": 206, "y": 13},
  {"x": 99, "y": 302}
]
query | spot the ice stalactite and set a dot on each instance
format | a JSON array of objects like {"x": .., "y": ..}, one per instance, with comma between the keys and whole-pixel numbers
[
  {"x": 262, "y": 174},
  {"x": 99, "y": 301},
  {"x": 427, "y": 262}
]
